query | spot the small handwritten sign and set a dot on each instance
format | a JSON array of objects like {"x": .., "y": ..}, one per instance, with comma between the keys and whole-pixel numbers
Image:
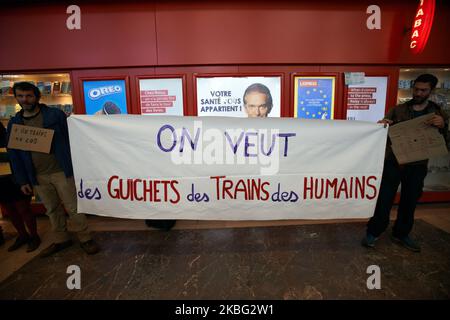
[{"x": 30, "y": 138}]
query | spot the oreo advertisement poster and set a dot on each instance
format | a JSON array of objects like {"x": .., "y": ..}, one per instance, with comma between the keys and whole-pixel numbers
[{"x": 105, "y": 97}]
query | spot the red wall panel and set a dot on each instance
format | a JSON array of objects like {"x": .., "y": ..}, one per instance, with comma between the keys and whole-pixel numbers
[
  {"x": 116, "y": 34},
  {"x": 168, "y": 33},
  {"x": 277, "y": 32}
]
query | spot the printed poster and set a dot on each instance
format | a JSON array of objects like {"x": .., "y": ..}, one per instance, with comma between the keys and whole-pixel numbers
[
  {"x": 255, "y": 97},
  {"x": 161, "y": 96},
  {"x": 105, "y": 97},
  {"x": 367, "y": 101},
  {"x": 314, "y": 97}
]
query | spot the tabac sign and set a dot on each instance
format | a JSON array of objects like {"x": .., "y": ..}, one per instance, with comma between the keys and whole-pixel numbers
[{"x": 423, "y": 22}]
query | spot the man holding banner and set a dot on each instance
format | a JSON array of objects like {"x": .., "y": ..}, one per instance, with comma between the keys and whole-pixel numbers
[
  {"x": 411, "y": 175},
  {"x": 49, "y": 174}
]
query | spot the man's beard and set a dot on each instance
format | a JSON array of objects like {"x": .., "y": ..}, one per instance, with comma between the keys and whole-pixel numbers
[
  {"x": 420, "y": 100},
  {"x": 29, "y": 108}
]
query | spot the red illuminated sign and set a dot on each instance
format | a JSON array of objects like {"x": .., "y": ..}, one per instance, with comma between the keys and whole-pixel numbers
[{"x": 422, "y": 25}]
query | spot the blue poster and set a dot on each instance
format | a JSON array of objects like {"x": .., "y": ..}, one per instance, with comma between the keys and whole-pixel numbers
[
  {"x": 314, "y": 97},
  {"x": 105, "y": 97}
]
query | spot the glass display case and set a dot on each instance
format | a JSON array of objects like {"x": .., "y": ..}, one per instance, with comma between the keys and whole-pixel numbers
[
  {"x": 438, "y": 178},
  {"x": 56, "y": 91}
]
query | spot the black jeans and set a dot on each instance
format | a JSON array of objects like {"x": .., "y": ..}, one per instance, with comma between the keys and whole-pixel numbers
[{"x": 411, "y": 177}]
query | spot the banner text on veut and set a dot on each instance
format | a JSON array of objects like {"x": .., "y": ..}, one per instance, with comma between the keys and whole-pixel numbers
[{"x": 219, "y": 168}]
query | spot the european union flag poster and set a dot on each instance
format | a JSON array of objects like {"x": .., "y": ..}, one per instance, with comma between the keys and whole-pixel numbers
[{"x": 314, "y": 97}]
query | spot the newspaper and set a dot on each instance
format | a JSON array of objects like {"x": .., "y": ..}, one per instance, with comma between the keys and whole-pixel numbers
[{"x": 413, "y": 140}]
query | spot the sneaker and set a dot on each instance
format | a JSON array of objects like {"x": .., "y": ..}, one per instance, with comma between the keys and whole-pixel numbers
[
  {"x": 20, "y": 241},
  {"x": 406, "y": 242},
  {"x": 369, "y": 241},
  {"x": 34, "y": 243},
  {"x": 165, "y": 225},
  {"x": 90, "y": 247},
  {"x": 54, "y": 248}
]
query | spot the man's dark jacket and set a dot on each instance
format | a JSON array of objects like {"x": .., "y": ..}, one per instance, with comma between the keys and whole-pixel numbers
[{"x": 21, "y": 162}]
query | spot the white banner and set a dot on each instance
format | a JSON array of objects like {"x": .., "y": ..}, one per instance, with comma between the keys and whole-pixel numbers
[{"x": 219, "y": 168}]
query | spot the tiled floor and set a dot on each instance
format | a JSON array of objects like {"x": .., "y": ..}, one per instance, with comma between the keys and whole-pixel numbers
[
  {"x": 437, "y": 215},
  {"x": 316, "y": 261}
]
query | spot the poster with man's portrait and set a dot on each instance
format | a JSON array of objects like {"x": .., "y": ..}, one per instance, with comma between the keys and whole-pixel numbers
[{"x": 256, "y": 97}]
